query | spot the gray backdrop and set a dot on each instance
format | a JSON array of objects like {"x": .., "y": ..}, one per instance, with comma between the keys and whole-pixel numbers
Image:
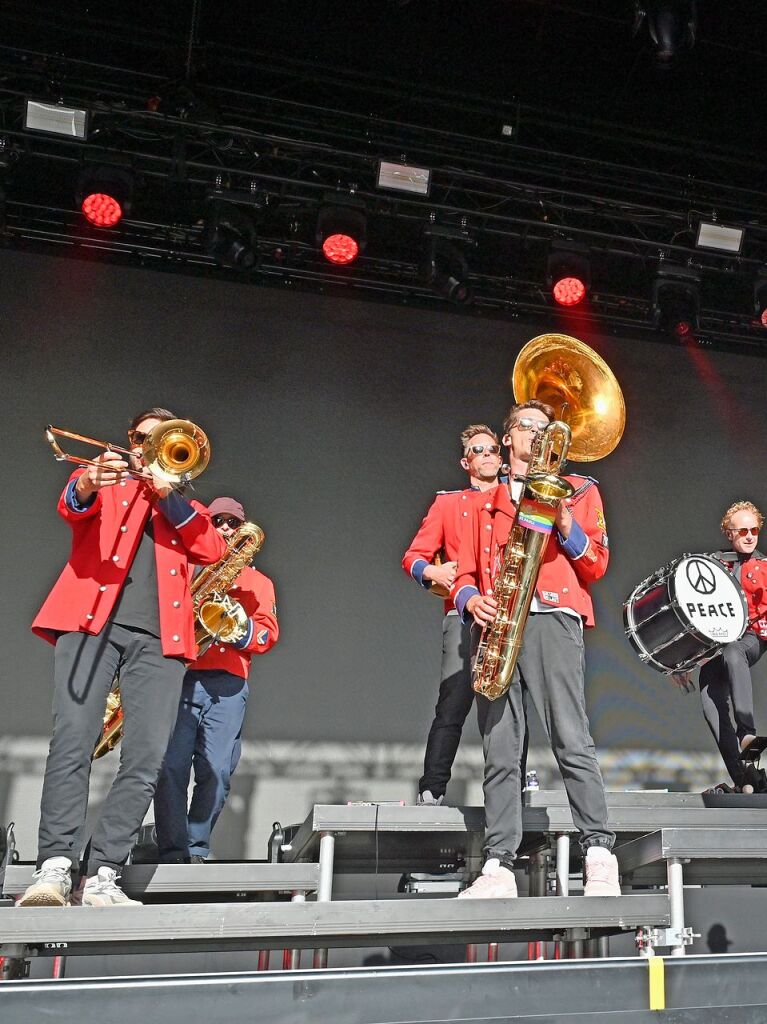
[{"x": 334, "y": 420}]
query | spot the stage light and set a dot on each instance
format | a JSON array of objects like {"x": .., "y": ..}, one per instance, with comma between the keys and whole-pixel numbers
[
  {"x": 403, "y": 178},
  {"x": 568, "y": 274},
  {"x": 721, "y": 237},
  {"x": 672, "y": 26},
  {"x": 676, "y": 300},
  {"x": 760, "y": 296},
  {"x": 230, "y": 236},
  {"x": 341, "y": 230},
  {"x": 444, "y": 266},
  {"x": 104, "y": 194},
  {"x": 56, "y": 119}
]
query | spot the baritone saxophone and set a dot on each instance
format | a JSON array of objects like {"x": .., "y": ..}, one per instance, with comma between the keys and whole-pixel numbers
[{"x": 571, "y": 377}]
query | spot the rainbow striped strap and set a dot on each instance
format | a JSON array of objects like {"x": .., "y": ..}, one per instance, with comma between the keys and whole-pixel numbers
[{"x": 534, "y": 515}]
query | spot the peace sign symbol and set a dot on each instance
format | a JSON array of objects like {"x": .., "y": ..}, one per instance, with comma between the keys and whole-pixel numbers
[{"x": 701, "y": 577}]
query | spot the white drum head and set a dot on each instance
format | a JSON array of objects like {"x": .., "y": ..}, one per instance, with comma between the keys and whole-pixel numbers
[{"x": 709, "y": 598}]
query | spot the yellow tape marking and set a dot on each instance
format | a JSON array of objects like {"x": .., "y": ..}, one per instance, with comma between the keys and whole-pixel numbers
[{"x": 657, "y": 977}]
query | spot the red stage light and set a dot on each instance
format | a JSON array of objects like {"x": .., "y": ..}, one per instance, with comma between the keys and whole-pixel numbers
[
  {"x": 682, "y": 328},
  {"x": 340, "y": 249},
  {"x": 568, "y": 291},
  {"x": 101, "y": 209}
]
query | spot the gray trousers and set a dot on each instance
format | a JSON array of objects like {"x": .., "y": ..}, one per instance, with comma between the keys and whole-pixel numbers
[
  {"x": 551, "y": 671},
  {"x": 150, "y": 686}
]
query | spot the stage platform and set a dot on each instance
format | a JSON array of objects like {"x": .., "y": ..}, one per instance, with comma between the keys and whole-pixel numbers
[
  {"x": 394, "y": 838},
  {"x": 664, "y": 839},
  {"x": 217, "y": 880},
  {"x": 696, "y": 990},
  {"x": 47, "y": 931}
]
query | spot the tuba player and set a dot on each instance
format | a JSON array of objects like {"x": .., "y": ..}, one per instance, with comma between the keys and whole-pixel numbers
[{"x": 550, "y": 669}]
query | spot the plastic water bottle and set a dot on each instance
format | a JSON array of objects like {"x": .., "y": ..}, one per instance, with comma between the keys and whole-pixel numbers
[{"x": 532, "y": 785}]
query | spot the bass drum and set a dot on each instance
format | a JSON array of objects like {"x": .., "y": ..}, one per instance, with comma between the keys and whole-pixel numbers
[{"x": 684, "y": 613}]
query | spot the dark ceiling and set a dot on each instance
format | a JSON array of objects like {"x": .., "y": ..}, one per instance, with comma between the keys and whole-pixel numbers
[
  {"x": 274, "y": 104},
  {"x": 578, "y": 57}
]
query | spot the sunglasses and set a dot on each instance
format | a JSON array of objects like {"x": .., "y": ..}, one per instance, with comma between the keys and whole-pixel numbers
[
  {"x": 525, "y": 423},
  {"x": 137, "y": 437},
  {"x": 477, "y": 449},
  {"x": 226, "y": 521},
  {"x": 744, "y": 531}
]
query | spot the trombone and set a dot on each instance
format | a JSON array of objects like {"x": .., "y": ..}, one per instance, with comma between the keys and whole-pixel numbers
[{"x": 176, "y": 451}]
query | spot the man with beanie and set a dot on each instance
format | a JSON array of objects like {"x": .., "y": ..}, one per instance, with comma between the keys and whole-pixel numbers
[{"x": 211, "y": 713}]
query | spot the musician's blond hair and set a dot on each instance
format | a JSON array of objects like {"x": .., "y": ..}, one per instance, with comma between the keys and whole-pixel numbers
[
  {"x": 741, "y": 506},
  {"x": 472, "y": 431}
]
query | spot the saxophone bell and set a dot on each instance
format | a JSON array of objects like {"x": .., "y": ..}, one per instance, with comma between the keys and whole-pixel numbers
[{"x": 217, "y": 616}]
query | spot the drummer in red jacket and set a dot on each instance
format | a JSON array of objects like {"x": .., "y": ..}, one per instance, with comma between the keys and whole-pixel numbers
[
  {"x": 726, "y": 679},
  {"x": 550, "y": 669},
  {"x": 121, "y": 605},
  {"x": 211, "y": 714},
  {"x": 440, "y": 534}
]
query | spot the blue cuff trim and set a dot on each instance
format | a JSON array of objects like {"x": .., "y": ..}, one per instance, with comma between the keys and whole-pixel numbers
[
  {"x": 71, "y": 501},
  {"x": 460, "y": 599},
  {"x": 176, "y": 509},
  {"x": 416, "y": 571},
  {"x": 247, "y": 638},
  {"x": 577, "y": 543}
]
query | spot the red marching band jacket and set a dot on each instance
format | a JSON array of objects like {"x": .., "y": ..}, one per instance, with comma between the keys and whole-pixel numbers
[
  {"x": 440, "y": 530},
  {"x": 753, "y": 583},
  {"x": 255, "y": 592},
  {"x": 568, "y": 566},
  {"x": 105, "y": 537}
]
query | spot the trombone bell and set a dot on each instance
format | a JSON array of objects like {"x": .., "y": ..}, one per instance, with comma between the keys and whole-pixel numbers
[{"x": 176, "y": 450}]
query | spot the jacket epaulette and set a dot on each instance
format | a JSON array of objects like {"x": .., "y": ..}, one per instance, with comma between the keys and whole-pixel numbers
[{"x": 588, "y": 481}]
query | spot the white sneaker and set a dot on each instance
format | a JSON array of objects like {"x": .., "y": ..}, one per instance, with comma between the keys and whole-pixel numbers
[
  {"x": 601, "y": 873},
  {"x": 102, "y": 890},
  {"x": 495, "y": 883},
  {"x": 428, "y": 799},
  {"x": 51, "y": 885}
]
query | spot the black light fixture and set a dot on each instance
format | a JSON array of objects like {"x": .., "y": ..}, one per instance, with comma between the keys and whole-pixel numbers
[
  {"x": 341, "y": 230},
  {"x": 104, "y": 194},
  {"x": 444, "y": 266},
  {"x": 760, "y": 296},
  {"x": 671, "y": 24},
  {"x": 230, "y": 236},
  {"x": 676, "y": 300},
  {"x": 568, "y": 273}
]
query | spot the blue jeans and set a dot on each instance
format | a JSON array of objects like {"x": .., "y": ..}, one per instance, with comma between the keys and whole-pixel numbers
[{"x": 207, "y": 738}]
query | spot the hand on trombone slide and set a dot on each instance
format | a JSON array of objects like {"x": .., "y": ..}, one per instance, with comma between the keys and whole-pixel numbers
[
  {"x": 111, "y": 468},
  {"x": 107, "y": 469}
]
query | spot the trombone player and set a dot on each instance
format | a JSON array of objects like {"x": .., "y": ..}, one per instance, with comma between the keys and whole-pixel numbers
[
  {"x": 550, "y": 669},
  {"x": 122, "y": 603}
]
